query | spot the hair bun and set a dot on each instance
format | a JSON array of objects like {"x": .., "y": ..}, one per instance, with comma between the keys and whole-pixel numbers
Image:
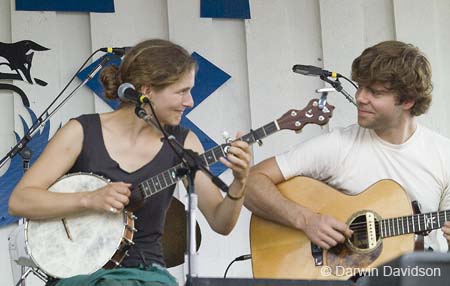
[{"x": 109, "y": 77}]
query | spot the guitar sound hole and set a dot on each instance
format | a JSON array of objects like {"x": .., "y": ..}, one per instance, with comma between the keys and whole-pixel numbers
[{"x": 359, "y": 239}]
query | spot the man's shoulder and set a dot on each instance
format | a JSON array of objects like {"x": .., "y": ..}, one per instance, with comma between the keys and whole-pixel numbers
[
  {"x": 433, "y": 136},
  {"x": 349, "y": 132},
  {"x": 435, "y": 143}
]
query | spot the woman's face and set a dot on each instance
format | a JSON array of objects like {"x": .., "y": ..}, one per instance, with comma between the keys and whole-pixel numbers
[{"x": 171, "y": 102}]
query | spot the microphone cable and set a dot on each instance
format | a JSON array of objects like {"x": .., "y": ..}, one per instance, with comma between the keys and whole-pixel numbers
[
  {"x": 338, "y": 86},
  {"x": 45, "y": 115},
  {"x": 67, "y": 85},
  {"x": 239, "y": 258},
  {"x": 350, "y": 81}
]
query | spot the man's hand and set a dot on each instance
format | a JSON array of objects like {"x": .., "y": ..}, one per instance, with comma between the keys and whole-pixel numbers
[
  {"x": 446, "y": 230},
  {"x": 325, "y": 231}
]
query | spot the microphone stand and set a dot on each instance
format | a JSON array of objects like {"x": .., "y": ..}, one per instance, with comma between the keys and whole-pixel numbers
[
  {"x": 338, "y": 86},
  {"x": 26, "y": 154},
  {"x": 192, "y": 164},
  {"x": 45, "y": 116}
]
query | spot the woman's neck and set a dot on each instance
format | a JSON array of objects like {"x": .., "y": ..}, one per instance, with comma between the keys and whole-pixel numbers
[{"x": 127, "y": 122}]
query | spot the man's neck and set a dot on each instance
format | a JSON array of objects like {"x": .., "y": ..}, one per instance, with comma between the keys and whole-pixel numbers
[{"x": 399, "y": 134}]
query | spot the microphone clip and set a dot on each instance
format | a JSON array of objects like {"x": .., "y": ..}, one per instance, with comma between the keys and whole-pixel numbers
[
  {"x": 323, "y": 98},
  {"x": 336, "y": 84},
  {"x": 116, "y": 51}
]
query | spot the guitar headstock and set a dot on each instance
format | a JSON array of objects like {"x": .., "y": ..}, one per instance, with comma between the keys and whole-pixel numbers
[{"x": 295, "y": 119}]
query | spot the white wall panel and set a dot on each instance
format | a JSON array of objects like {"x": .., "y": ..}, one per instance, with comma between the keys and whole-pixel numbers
[
  {"x": 131, "y": 23},
  {"x": 41, "y": 27},
  {"x": 279, "y": 35},
  {"x": 6, "y": 276},
  {"x": 73, "y": 49},
  {"x": 348, "y": 27},
  {"x": 440, "y": 67},
  {"x": 425, "y": 24},
  {"x": 378, "y": 21},
  {"x": 65, "y": 35},
  {"x": 6, "y": 97},
  {"x": 221, "y": 42}
]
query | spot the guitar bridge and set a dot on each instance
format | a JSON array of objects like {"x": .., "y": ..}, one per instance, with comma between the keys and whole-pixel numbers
[{"x": 317, "y": 254}]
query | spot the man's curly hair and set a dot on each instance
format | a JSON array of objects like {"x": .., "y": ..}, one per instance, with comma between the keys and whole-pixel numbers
[{"x": 401, "y": 67}]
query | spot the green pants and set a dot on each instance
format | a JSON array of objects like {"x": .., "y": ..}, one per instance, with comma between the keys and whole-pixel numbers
[{"x": 154, "y": 275}]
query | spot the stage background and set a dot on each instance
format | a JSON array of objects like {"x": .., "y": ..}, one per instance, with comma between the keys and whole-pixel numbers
[{"x": 258, "y": 54}]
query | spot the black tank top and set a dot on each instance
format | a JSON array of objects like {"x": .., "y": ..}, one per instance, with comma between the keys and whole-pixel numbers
[{"x": 151, "y": 217}]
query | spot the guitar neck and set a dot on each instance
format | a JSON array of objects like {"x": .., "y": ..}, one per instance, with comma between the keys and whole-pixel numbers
[
  {"x": 169, "y": 177},
  {"x": 413, "y": 224}
]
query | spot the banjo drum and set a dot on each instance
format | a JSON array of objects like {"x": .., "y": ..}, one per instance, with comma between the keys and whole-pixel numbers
[{"x": 81, "y": 243}]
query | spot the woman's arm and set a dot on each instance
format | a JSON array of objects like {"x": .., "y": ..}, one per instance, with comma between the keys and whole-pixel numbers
[
  {"x": 222, "y": 212},
  {"x": 31, "y": 197}
]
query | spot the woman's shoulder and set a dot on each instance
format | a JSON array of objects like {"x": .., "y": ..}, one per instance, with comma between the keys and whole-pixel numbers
[
  {"x": 71, "y": 133},
  {"x": 86, "y": 119},
  {"x": 178, "y": 131}
]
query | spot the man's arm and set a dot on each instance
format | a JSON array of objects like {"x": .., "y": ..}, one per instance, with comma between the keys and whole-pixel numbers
[{"x": 264, "y": 200}]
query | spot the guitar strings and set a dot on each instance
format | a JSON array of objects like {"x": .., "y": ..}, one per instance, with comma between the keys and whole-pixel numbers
[
  {"x": 392, "y": 224},
  {"x": 441, "y": 217},
  {"x": 392, "y": 227}
]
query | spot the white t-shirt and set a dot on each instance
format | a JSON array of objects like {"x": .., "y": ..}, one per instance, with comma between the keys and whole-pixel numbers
[{"x": 353, "y": 158}]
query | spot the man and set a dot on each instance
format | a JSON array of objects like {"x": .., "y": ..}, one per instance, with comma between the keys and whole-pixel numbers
[{"x": 395, "y": 86}]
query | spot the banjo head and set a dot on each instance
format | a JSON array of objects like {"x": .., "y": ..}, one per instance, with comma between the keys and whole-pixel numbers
[{"x": 94, "y": 237}]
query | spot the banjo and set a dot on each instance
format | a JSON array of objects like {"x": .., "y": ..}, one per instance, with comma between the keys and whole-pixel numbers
[
  {"x": 81, "y": 243},
  {"x": 84, "y": 243}
]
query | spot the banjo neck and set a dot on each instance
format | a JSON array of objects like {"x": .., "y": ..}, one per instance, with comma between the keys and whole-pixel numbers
[{"x": 315, "y": 113}]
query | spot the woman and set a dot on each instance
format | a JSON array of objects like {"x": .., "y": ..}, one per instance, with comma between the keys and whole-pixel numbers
[{"x": 125, "y": 149}]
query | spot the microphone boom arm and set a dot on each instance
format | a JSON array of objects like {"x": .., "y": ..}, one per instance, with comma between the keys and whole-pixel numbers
[
  {"x": 338, "y": 86},
  {"x": 45, "y": 116}
]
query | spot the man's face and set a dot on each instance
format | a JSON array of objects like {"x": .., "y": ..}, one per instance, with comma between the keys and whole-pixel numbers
[{"x": 378, "y": 109}]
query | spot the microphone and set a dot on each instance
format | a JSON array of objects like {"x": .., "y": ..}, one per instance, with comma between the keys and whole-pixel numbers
[
  {"x": 314, "y": 71},
  {"x": 128, "y": 93},
  {"x": 116, "y": 51}
]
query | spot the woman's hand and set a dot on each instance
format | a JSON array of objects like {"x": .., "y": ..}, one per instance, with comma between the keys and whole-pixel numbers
[
  {"x": 238, "y": 160},
  {"x": 110, "y": 198}
]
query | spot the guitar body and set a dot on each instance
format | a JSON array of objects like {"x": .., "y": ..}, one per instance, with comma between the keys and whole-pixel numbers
[{"x": 282, "y": 252}]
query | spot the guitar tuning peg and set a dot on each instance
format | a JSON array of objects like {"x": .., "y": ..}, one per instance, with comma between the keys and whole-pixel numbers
[{"x": 226, "y": 137}]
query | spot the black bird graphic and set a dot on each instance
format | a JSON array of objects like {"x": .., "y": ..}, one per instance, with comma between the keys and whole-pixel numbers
[{"x": 19, "y": 59}]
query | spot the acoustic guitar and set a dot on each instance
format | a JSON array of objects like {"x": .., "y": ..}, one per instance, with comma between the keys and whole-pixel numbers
[{"x": 381, "y": 218}]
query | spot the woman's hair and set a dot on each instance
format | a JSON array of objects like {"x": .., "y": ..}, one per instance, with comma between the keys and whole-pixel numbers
[
  {"x": 401, "y": 67},
  {"x": 155, "y": 63}
]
